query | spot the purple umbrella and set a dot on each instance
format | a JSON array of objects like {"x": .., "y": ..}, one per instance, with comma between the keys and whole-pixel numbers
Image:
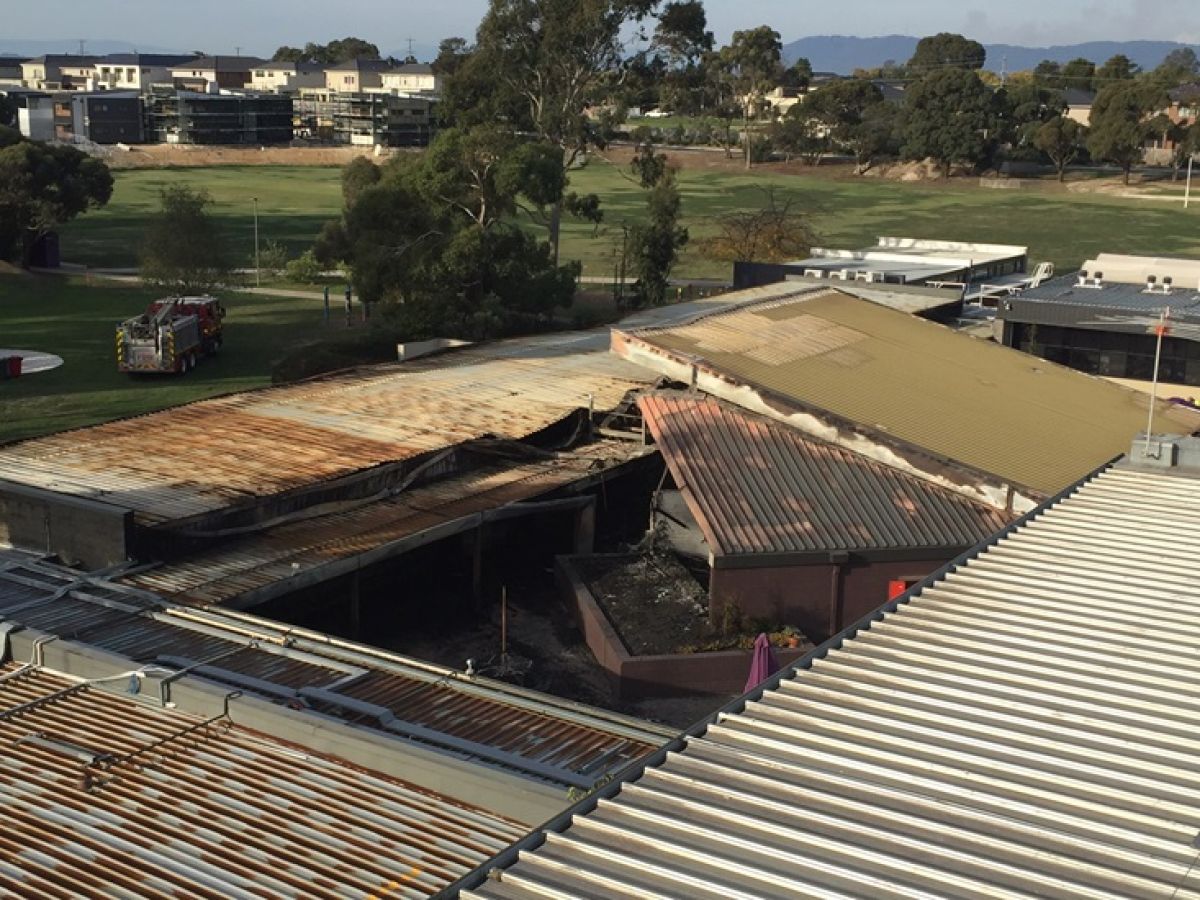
[{"x": 763, "y": 666}]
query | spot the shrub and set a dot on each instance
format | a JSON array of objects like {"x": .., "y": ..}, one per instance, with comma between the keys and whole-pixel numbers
[{"x": 304, "y": 269}]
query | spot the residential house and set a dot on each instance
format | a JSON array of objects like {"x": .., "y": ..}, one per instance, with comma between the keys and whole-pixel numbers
[
  {"x": 354, "y": 76},
  {"x": 1078, "y": 105},
  {"x": 58, "y": 72},
  {"x": 277, "y": 77},
  {"x": 136, "y": 71},
  {"x": 893, "y": 91},
  {"x": 10, "y": 72},
  {"x": 1183, "y": 105},
  {"x": 210, "y": 74},
  {"x": 411, "y": 78},
  {"x": 783, "y": 98}
]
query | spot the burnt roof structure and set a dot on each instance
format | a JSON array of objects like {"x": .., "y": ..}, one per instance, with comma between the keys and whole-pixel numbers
[
  {"x": 983, "y": 419},
  {"x": 1002, "y": 730},
  {"x": 756, "y": 486},
  {"x": 549, "y": 744}
]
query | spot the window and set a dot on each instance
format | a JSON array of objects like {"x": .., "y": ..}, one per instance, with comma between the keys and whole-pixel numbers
[{"x": 347, "y": 79}]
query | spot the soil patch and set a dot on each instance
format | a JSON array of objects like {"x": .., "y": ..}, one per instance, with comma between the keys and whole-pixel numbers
[
  {"x": 158, "y": 156},
  {"x": 653, "y": 602}
]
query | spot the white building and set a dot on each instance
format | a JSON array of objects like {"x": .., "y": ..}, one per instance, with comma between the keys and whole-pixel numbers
[
  {"x": 285, "y": 77},
  {"x": 411, "y": 78},
  {"x": 53, "y": 72},
  {"x": 135, "y": 71}
]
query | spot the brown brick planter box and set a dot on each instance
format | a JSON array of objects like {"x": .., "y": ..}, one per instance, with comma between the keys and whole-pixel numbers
[{"x": 635, "y": 677}]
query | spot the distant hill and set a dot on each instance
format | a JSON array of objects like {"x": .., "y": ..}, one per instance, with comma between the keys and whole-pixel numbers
[
  {"x": 836, "y": 53},
  {"x": 33, "y": 48}
]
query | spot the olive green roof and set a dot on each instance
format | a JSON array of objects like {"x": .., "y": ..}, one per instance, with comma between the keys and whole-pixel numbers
[{"x": 1034, "y": 424}]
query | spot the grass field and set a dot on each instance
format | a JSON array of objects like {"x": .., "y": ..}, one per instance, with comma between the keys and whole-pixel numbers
[
  {"x": 1062, "y": 227},
  {"x": 76, "y": 321}
]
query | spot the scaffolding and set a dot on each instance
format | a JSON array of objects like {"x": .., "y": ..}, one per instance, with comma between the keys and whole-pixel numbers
[{"x": 182, "y": 117}]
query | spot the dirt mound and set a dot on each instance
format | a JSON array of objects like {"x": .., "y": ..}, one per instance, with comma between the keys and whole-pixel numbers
[
  {"x": 920, "y": 170},
  {"x": 155, "y": 156}
]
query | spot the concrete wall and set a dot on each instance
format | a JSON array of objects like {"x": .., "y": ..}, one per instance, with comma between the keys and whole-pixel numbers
[
  {"x": 634, "y": 677},
  {"x": 80, "y": 532},
  {"x": 36, "y": 122}
]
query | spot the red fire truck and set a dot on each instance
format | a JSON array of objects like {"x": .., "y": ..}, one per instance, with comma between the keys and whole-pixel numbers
[{"x": 172, "y": 335}]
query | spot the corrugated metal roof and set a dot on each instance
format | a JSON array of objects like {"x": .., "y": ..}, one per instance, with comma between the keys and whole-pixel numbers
[
  {"x": 236, "y": 568},
  {"x": 557, "y": 737},
  {"x": 1024, "y": 726},
  {"x": 226, "y": 451},
  {"x": 1031, "y": 423},
  {"x": 218, "y": 811},
  {"x": 1118, "y": 307},
  {"x": 756, "y": 486}
]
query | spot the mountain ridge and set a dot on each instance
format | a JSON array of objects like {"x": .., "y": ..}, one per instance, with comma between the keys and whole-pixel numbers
[{"x": 843, "y": 54}]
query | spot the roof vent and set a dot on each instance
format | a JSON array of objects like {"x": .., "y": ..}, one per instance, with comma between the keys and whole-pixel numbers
[{"x": 1154, "y": 286}]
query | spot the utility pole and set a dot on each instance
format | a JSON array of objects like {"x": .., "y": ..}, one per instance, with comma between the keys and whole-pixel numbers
[
  {"x": 257, "y": 270},
  {"x": 1187, "y": 189},
  {"x": 82, "y": 45}
]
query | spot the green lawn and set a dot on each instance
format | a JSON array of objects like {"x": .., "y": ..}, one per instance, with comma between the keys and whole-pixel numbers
[
  {"x": 76, "y": 321},
  {"x": 294, "y": 202},
  {"x": 1062, "y": 227}
]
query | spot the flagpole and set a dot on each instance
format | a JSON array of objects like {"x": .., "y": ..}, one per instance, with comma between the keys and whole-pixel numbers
[{"x": 1160, "y": 331}]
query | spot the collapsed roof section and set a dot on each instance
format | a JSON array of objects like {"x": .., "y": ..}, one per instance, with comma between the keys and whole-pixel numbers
[{"x": 984, "y": 420}]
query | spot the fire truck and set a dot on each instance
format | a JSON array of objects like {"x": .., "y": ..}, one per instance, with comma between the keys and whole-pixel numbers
[{"x": 172, "y": 335}]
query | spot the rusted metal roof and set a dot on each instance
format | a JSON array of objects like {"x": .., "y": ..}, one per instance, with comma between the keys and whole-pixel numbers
[
  {"x": 539, "y": 736},
  {"x": 849, "y": 364},
  {"x": 756, "y": 486},
  {"x": 224, "y": 452},
  {"x": 246, "y": 570},
  {"x": 104, "y": 795}
]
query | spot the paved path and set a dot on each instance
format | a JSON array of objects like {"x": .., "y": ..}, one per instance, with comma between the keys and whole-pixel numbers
[{"x": 130, "y": 276}]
